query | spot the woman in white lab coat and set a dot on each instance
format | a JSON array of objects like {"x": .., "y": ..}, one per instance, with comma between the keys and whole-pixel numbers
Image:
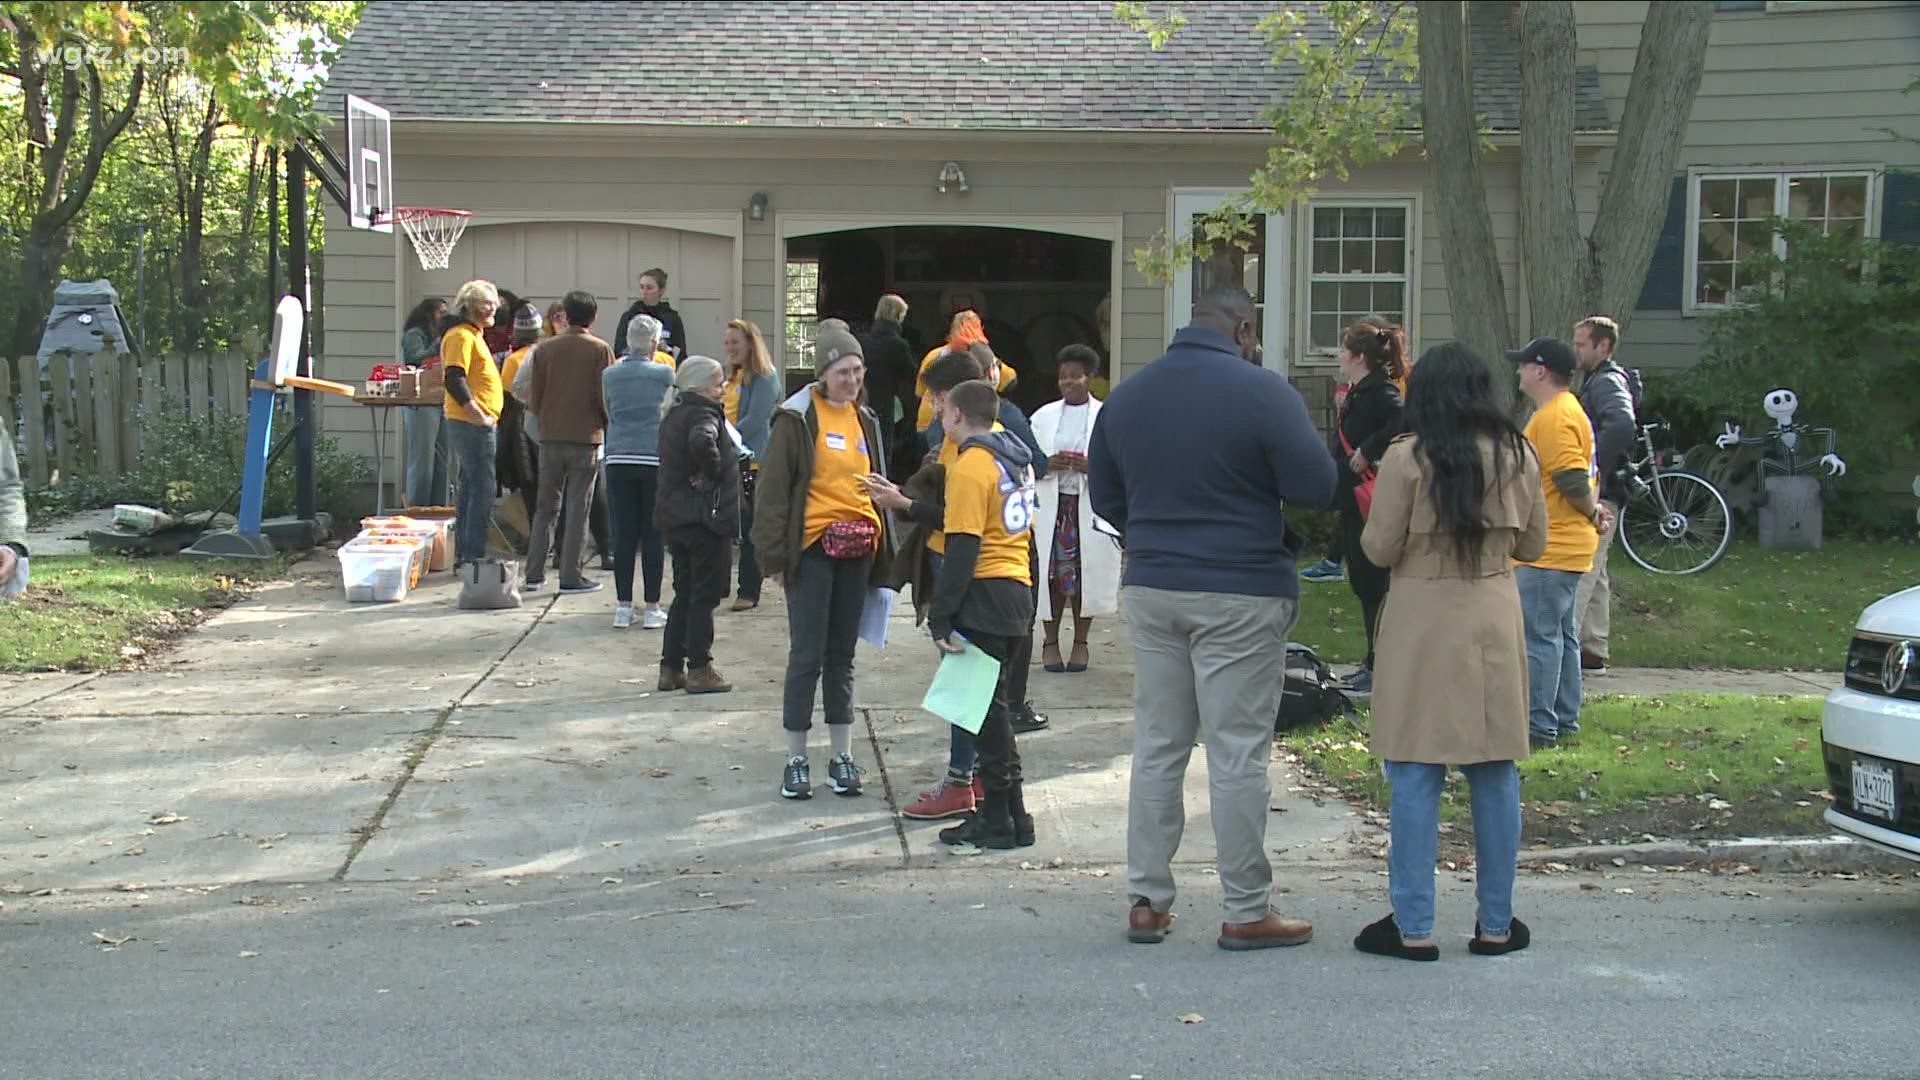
[{"x": 1078, "y": 555}]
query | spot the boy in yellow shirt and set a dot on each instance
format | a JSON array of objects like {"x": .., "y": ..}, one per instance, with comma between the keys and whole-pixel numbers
[
  {"x": 984, "y": 592},
  {"x": 1562, "y": 437}
]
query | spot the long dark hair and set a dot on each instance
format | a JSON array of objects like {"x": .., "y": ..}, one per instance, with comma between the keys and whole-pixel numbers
[
  {"x": 1452, "y": 410},
  {"x": 422, "y": 315}
]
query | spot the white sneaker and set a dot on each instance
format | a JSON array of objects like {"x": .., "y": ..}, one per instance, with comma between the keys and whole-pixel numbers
[
  {"x": 653, "y": 619},
  {"x": 622, "y": 616}
]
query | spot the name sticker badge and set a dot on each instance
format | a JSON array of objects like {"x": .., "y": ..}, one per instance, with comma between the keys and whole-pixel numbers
[{"x": 836, "y": 441}]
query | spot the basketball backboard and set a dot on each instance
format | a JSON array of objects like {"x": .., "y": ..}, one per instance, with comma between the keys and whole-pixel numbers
[{"x": 369, "y": 165}]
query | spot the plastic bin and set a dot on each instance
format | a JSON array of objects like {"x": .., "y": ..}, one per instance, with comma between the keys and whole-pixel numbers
[
  {"x": 381, "y": 569},
  {"x": 426, "y": 532},
  {"x": 435, "y": 518}
]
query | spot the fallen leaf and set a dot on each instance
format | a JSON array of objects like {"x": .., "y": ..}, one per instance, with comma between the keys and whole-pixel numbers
[
  {"x": 978, "y": 907},
  {"x": 248, "y": 955},
  {"x": 659, "y": 774},
  {"x": 1192, "y": 1018},
  {"x": 109, "y": 940},
  {"x": 611, "y": 843},
  {"x": 464, "y": 922},
  {"x": 165, "y": 819},
  {"x": 1624, "y": 892},
  {"x": 1589, "y": 886},
  {"x": 612, "y": 881},
  {"x": 1618, "y": 861},
  {"x": 135, "y": 850}
]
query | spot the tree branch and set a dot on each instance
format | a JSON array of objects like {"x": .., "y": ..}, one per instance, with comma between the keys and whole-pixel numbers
[
  {"x": 32, "y": 87},
  {"x": 104, "y": 132},
  {"x": 1653, "y": 125},
  {"x": 53, "y": 163}
]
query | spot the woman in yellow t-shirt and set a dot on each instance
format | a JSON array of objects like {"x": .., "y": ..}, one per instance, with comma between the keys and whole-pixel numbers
[
  {"x": 816, "y": 528},
  {"x": 475, "y": 398},
  {"x": 752, "y": 391},
  {"x": 965, "y": 332}
]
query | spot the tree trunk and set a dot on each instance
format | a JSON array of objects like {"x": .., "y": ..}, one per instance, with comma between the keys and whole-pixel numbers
[
  {"x": 41, "y": 257},
  {"x": 1653, "y": 125},
  {"x": 1448, "y": 122},
  {"x": 1557, "y": 264}
]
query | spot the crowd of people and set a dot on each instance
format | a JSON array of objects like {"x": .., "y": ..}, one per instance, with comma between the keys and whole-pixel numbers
[{"x": 1477, "y": 549}]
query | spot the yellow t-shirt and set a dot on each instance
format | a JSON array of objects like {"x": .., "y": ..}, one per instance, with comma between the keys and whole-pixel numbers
[
  {"x": 985, "y": 500},
  {"x": 949, "y": 455},
  {"x": 665, "y": 358},
  {"x": 1007, "y": 375},
  {"x": 840, "y": 460},
  {"x": 1563, "y": 438},
  {"x": 511, "y": 365},
  {"x": 464, "y": 348},
  {"x": 730, "y": 400}
]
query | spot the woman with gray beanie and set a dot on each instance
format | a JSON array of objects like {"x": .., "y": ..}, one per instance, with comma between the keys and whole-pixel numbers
[
  {"x": 635, "y": 389},
  {"x": 698, "y": 508},
  {"x": 816, "y": 529}
]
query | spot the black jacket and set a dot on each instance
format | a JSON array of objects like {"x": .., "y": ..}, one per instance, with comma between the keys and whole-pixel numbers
[
  {"x": 699, "y": 479},
  {"x": 1608, "y": 402},
  {"x": 890, "y": 369},
  {"x": 670, "y": 321},
  {"x": 1375, "y": 416}
]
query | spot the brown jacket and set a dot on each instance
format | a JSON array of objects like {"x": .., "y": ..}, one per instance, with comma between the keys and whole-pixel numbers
[
  {"x": 780, "y": 494},
  {"x": 1450, "y": 678},
  {"x": 565, "y": 394}
]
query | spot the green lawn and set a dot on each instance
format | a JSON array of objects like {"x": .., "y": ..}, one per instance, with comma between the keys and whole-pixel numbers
[
  {"x": 1758, "y": 610},
  {"x": 1738, "y": 763},
  {"x": 83, "y": 613}
]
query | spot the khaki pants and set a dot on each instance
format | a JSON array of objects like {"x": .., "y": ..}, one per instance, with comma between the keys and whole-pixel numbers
[
  {"x": 1592, "y": 604},
  {"x": 1207, "y": 667}
]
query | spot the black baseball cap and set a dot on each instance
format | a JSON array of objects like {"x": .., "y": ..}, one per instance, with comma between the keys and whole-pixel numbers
[{"x": 1550, "y": 352}]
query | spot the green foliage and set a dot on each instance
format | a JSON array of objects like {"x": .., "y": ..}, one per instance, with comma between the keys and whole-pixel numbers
[
  {"x": 1332, "y": 122},
  {"x": 1837, "y": 321},
  {"x": 194, "y": 463}
]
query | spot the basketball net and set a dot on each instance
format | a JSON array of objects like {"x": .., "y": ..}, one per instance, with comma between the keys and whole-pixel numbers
[{"x": 433, "y": 231}]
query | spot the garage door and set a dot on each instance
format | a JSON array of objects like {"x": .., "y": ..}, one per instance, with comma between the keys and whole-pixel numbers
[{"x": 542, "y": 261}]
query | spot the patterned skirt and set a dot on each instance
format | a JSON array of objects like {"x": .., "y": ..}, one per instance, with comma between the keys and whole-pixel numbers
[{"x": 1063, "y": 572}]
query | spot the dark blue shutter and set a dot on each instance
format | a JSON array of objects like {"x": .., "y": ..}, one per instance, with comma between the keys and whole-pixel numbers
[
  {"x": 1666, "y": 284},
  {"x": 1900, "y": 208}
]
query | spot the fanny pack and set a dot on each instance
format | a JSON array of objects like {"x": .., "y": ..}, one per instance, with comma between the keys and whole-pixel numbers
[{"x": 850, "y": 540}]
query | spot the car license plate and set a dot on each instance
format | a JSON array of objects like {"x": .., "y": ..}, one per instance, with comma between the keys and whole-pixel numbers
[{"x": 1873, "y": 789}]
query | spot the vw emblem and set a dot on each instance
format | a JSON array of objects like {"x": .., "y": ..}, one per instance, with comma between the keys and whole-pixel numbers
[{"x": 1894, "y": 669}]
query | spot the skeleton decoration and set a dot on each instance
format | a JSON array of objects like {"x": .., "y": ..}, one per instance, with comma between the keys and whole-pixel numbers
[{"x": 1784, "y": 440}]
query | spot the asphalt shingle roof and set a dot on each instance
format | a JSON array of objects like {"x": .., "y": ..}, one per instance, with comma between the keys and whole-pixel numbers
[{"x": 947, "y": 65}]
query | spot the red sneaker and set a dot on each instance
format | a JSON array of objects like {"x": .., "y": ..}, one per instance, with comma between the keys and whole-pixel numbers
[{"x": 944, "y": 801}]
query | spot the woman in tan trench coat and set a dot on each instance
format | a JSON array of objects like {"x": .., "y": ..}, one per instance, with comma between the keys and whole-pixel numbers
[{"x": 1457, "y": 502}]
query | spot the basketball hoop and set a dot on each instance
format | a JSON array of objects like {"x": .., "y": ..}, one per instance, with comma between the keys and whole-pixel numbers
[{"x": 433, "y": 231}]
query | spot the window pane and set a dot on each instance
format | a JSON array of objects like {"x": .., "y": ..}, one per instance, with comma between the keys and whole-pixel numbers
[
  {"x": 1717, "y": 198},
  {"x": 1326, "y": 256},
  {"x": 1326, "y": 221},
  {"x": 1324, "y": 297},
  {"x": 1807, "y": 198},
  {"x": 1756, "y": 198},
  {"x": 1716, "y": 283},
  {"x": 1390, "y": 222},
  {"x": 1390, "y": 299},
  {"x": 1356, "y": 257},
  {"x": 1325, "y": 331},
  {"x": 1716, "y": 240},
  {"x": 1751, "y": 238},
  {"x": 1390, "y": 256},
  {"x": 1852, "y": 227},
  {"x": 1356, "y": 299},
  {"x": 1847, "y": 197},
  {"x": 1356, "y": 221}
]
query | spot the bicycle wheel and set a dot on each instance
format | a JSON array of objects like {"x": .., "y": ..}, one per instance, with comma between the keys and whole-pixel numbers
[{"x": 1677, "y": 524}]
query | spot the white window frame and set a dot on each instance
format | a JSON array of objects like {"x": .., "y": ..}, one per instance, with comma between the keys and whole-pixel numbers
[
  {"x": 1782, "y": 177},
  {"x": 1276, "y": 335},
  {"x": 1408, "y": 201},
  {"x": 792, "y": 360}
]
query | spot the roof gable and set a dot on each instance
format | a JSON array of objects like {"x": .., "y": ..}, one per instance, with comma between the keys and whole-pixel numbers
[{"x": 1065, "y": 65}]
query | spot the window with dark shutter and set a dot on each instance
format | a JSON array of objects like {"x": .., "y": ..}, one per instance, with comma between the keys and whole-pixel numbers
[
  {"x": 1666, "y": 284},
  {"x": 1900, "y": 208}
]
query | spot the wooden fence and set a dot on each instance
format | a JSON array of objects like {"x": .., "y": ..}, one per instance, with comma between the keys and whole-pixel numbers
[{"x": 85, "y": 416}]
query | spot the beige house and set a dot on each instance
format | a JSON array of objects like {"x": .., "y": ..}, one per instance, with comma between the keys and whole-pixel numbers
[{"x": 789, "y": 161}]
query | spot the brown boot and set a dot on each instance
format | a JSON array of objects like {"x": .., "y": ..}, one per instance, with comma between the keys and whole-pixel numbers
[
  {"x": 705, "y": 680},
  {"x": 672, "y": 678}
]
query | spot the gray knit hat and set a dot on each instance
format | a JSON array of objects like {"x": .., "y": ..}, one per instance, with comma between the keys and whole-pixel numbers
[{"x": 833, "y": 342}]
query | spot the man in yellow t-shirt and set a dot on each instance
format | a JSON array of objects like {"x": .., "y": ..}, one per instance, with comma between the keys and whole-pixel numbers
[
  {"x": 1562, "y": 438},
  {"x": 983, "y": 595}
]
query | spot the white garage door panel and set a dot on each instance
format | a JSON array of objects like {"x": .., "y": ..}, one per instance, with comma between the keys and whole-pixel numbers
[{"x": 542, "y": 261}]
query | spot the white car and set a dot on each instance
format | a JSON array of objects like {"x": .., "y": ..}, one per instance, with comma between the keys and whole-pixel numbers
[{"x": 1870, "y": 730}]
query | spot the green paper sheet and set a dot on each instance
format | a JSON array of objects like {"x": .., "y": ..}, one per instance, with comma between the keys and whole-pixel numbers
[{"x": 963, "y": 688}]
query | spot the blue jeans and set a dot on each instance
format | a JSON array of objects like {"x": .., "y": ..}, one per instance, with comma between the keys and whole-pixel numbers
[
  {"x": 427, "y": 455},
  {"x": 1415, "y": 829},
  {"x": 473, "y": 448},
  {"x": 1553, "y": 650}
]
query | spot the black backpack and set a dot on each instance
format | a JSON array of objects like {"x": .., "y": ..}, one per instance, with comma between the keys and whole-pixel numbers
[{"x": 1311, "y": 695}]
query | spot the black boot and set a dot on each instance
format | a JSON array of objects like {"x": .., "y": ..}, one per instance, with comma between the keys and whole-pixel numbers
[
  {"x": 1022, "y": 821},
  {"x": 991, "y": 828}
]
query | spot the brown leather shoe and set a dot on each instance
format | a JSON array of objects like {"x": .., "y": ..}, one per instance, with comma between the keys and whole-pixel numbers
[
  {"x": 705, "y": 680},
  {"x": 1146, "y": 926},
  {"x": 1274, "y": 931},
  {"x": 672, "y": 678}
]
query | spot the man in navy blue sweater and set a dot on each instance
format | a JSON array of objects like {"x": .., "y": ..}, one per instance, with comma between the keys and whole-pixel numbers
[{"x": 1193, "y": 460}]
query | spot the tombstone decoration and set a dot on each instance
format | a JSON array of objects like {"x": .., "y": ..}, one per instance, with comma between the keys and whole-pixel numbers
[
  {"x": 85, "y": 320},
  {"x": 1797, "y": 466}
]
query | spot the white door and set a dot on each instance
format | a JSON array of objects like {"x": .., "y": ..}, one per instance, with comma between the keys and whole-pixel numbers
[
  {"x": 543, "y": 261},
  {"x": 1260, "y": 268}
]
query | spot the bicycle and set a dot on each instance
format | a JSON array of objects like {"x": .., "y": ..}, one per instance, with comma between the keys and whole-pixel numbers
[{"x": 1673, "y": 522}]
